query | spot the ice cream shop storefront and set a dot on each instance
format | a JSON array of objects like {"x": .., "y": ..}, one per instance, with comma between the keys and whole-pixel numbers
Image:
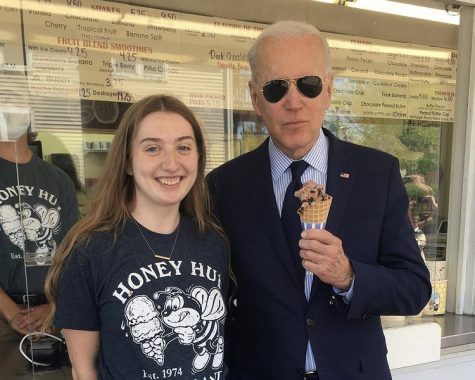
[{"x": 402, "y": 84}]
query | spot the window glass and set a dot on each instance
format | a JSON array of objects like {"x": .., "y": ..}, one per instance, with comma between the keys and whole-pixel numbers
[{"x": 80, "y": 64}]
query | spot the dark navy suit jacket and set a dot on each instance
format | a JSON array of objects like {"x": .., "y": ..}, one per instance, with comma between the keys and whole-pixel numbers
[{"x": 272, "y": 322}]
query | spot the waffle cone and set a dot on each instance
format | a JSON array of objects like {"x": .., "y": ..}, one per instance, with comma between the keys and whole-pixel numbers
[{"x": 317, "y": 213}]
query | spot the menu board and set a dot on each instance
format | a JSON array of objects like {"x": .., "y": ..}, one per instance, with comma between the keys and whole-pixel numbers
[
  {"x": 11, "y": 47},
  {"x": 392, "y": 80},
  {"x": 117, "y": 52},
  {"x": 105, "y": 51}
]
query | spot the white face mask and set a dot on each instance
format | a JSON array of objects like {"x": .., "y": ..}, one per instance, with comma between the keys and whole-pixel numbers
[{"x": 14, "y": 122}]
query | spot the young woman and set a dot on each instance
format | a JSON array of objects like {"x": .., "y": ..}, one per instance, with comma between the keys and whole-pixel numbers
[{"x": 138, "y": 285}]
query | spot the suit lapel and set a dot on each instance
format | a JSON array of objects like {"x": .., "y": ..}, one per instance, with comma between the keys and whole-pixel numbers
[
  {"x": 340, "y": 178},
  {"x": 262, "y": 194}
]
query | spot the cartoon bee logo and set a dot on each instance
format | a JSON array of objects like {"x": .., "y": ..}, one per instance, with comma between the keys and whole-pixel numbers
[{"x": 195, "y": 318}]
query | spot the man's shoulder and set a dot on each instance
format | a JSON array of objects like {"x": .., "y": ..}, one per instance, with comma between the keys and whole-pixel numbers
[
  {"x": 361, "y": 152},
  {"x": 369, "y": 152},
  {"x": 242, "y": 161},
  {"x": 52, "y": 171},
  {"x": 45, "y": 165}
]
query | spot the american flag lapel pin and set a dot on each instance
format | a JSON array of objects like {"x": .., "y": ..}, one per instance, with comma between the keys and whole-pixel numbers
[{"x": 345, "y": 175}]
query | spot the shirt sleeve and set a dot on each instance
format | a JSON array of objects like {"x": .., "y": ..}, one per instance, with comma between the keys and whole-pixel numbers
[
  {"x": 348, "y": 295},
  {"x": 71, "y": 203},
  {"x": 76, "y": 306}
]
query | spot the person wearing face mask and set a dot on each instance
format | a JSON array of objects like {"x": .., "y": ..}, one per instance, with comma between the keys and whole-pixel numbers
[
  {"x": 37, "y": 207},
  {"x": 308, "y": 304},
  {"x": 14, "y": 122}
]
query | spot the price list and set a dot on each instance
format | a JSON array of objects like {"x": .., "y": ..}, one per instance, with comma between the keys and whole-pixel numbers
[
  {"x": 117, "y": 52},
  {"x": 383, "y": 79},
  {"x": 11, "y": 48},
  {"x": 221, "y": 45},
  {"x": 432, "y": 86},
  {"x": 97, "y": 50}
]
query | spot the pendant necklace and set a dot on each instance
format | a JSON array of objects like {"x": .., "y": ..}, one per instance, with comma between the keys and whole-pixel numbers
[{"x": 156, "y": 254}]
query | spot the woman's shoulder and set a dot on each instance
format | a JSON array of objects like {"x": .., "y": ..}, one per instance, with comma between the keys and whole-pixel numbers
[
  {"x": 210, "y": 234},
  {"x": 98, "y": 243}
]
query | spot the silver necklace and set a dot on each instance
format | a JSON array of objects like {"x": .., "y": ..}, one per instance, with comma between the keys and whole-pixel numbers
[{"x": 156, "y": 254}]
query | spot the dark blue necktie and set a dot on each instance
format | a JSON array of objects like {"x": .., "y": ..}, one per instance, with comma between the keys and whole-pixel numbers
[{"x": 289, "y": 217}]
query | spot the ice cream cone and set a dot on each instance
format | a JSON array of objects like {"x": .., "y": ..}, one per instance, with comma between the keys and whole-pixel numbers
[
  {"x": 313, "y": 212},
  {"x": 316, "y": 214},
  {"x": 315, "y": 205}
]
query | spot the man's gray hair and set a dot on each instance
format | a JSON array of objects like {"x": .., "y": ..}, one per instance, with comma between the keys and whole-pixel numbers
[{"x": 284, "y": 29}]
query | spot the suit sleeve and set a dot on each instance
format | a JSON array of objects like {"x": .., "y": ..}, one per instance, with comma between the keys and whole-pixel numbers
[{"x": 398, "y": 283}]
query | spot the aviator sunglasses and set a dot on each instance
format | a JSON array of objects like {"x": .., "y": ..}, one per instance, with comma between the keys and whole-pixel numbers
[{"x": 275, "y": 89}]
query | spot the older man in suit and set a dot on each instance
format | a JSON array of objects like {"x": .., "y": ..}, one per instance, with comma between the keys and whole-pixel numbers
[{"x": 309, "y": 308}]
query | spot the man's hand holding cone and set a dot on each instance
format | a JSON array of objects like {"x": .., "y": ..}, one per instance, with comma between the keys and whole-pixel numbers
[{"x": 321, "y": 252}]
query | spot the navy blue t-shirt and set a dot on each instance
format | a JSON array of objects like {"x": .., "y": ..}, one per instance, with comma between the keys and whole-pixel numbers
[
  {"x": 35, "y": 215},
  {"x": 158, "y": 319}
]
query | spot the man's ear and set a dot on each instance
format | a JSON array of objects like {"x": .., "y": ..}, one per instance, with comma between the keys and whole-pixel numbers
[{"x": 254, "y": 92}]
